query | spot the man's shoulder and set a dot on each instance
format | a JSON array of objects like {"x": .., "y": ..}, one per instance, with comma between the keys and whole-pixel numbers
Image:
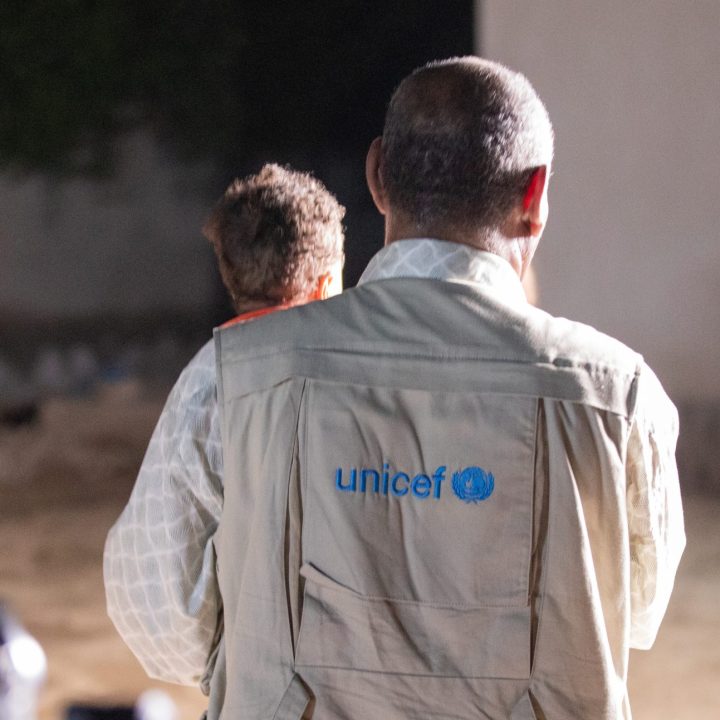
[
  {"x": 198, "y": 376},
  {"x": 566, "y": 341},
  {"x": 425, "y": 311},
  {"x": 430, "y": 334},
  {"x": 309, "y": 325},
  {"x": 202, "y": 364}
]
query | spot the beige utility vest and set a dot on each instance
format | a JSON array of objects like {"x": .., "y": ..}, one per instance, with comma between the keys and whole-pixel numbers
[{"x": 424, "y": 511}]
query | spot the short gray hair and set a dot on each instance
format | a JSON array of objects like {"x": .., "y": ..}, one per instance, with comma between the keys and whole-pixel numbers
[
  {"x": 275, "y": 234},
  {"x": 461, "y": 140}
]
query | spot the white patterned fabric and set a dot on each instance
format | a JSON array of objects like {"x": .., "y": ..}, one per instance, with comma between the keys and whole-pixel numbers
[
  {"x": 654, "y": 507},
  {"x": 160, "y": 577},
  {"x": 159, "y": 563},
  {"x": 441, "y": 260}
]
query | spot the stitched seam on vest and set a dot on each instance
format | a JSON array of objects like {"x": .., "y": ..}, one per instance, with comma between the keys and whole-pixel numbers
[
  {"x": 544, "y": 561},
  {"x": 633, "y": 394},
  {"x": 304, "y": 479},
  {"x": 333, "y": 586},
  {"x": 531, "y": 474},
  {"x": 382, "y": 383},
  {"x": 304, "y": 413},
  {"x": 411, "y": 674},
  {"x": 287, "y": 568},
  {"x": 363, "y": 349},
  {"x": 282, "y": 699}
]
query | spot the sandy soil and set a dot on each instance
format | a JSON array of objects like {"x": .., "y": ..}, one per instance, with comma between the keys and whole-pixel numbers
[
  {"x": 64, "y": 481},
  {"x": 63, "y": 484}
]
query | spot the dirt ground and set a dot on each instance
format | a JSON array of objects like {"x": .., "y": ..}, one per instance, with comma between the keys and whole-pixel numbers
[{"x": 64, "y": 481}]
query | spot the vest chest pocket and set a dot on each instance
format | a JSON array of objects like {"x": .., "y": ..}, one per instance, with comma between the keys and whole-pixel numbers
[
  {"x": 423, "y": 499},
  {"x": 343, "y": 629}
]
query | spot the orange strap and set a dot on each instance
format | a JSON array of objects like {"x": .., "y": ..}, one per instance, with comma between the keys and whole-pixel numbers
[{"x": 257, "y": 313}]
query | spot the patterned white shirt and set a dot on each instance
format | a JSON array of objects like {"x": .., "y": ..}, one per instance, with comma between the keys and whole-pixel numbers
[
  {"x": 161, "y": 587},
  {"x": 159, "y": 563}
]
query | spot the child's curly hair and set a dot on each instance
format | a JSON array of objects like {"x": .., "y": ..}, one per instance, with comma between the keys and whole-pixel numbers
[{"x": 275, "y": 234}]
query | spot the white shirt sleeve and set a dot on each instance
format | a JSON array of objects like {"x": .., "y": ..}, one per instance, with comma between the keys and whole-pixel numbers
[
  {"x": 159, "y": 563},
  {"x": 655, "y": 516}
]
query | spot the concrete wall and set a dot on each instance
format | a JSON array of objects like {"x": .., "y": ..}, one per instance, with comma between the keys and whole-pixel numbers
[
  {"x": 632, "y": 246},
  {"x": 124, "y": 245}
]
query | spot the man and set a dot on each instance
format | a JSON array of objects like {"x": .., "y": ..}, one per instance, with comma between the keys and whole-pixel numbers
[
  {"x": 441, "y": 501},
  {"x": 279, "y": 241}
]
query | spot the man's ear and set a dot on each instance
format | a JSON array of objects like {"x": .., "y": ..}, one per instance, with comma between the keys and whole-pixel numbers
[
  {"x": 322, "y": 287},
  {"x": 373, "y": 175},
  {"x": 327, "y": 285},
  {"x": 535, "y": 201}
]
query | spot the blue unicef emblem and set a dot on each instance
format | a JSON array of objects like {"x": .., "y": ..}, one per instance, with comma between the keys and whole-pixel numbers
[{"x": 473, "y": 484}]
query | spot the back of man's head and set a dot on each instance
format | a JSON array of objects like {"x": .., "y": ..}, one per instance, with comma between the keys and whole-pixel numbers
[
  {"x": 276, "y": 235},
  {"x": 462, "y": 138}
]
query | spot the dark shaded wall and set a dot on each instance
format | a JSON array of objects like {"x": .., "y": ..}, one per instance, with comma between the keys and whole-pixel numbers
[{"x": 135, "y": 116}]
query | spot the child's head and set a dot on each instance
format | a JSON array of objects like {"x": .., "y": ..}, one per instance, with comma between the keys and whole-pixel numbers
[{"x": 278, "y": 237}]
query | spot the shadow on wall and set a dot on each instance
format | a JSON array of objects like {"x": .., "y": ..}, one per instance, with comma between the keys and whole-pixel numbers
[
  {"x": 698, "y": 450},
  {"x": 77, "y": 247}
]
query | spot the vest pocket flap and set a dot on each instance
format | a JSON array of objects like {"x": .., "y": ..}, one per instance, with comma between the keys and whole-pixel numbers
[{"x": 343, "y": 629}]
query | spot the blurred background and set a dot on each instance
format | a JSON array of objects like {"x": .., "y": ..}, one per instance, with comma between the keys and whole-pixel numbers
[{"x": 122, "y": 122}]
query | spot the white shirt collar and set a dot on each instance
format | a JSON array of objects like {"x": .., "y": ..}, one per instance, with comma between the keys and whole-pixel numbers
[{"x": 442, "y": 260}]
